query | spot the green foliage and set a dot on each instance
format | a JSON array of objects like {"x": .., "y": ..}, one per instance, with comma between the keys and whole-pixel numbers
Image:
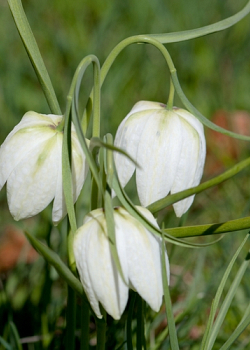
[{"x": 214, "y": 73}]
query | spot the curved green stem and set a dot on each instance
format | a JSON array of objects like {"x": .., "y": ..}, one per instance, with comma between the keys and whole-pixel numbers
[
  {"x": 206, "y": 30},
  {"x": 150, "y": 40},
  {"x": 171, "y": 95}
]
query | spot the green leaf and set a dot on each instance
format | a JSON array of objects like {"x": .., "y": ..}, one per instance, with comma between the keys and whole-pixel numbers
[
  {"x": 33, "y": 52},
  {"x": 237, "y": 332},
  {"x": 210, "y": 229},
  {"x": 5, "y": 344},
  {"x": 168, "y": 304},
  {"x": 16, "y": 337},
  {"x": 53, "y": 259},
  {"x": 212, "y": 332},
  {"x": 129, "y": 322}
]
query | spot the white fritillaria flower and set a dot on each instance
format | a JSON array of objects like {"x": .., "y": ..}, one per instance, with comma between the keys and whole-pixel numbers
[
  {"x": 31, "y": 163},
  {"x": 139, "y": 253},
  {"x": 168, "y": 145}
]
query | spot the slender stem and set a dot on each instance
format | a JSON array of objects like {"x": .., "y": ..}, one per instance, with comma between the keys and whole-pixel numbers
[
  {"x": 70, "y": 320},
  {"x": 96, "y": 101},
  {"x": 101, "y": 333},
  {"x": 171, "y": 95},
  {"x": 129, "y": 322},
  {"x": 84, "y": 327},
  {"x": 140, "y": 323}
]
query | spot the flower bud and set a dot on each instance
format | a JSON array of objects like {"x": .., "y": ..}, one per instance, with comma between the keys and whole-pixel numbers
[
  {"x": 139, "y": 253},
  {"x": 31, "y": 163},
  {"x": 168, "y": 145}
]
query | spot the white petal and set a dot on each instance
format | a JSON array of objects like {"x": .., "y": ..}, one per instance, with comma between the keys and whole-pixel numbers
[
  {"x": 146, "y": 105},
  {"x": 18, "y": 145},
  {"x": 31, "y": 185},
  {"x": 128, "y": 137},
  {"x": 59, "y": 207},
  {"x": 79, "y": 166},
  {"x": 105, "y": 284},
  {"x": 191, "y": 162},
  {"x": 81, "y": 247},
  {"x": 158, "y": 153},
  {"x": 142, "y": 258}
]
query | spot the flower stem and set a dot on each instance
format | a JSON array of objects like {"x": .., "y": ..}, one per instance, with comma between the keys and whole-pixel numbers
[
  {"x": 140, "y": 337},
  {"x": 171, "y": 95},
  {"x": 84, "y": 327},
  {"x": 70, "y": 319},
  {"x": 101, "y": 333}
]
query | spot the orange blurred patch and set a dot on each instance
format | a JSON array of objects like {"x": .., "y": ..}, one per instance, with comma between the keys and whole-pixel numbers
[
  {"x": 224, "y": 151},
  {"x": 14, "y": 248}
]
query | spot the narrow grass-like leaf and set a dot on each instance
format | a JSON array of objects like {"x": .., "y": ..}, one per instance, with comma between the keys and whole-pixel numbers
[
  {"x": 212, "y": 28},
  {"x": 53, "y": 259},
  {"x": 33, "y": 52},
  {"x": 71, "y": 107},
  {"x": 140, "y": 323},
  {"x": 237, "y": 332},
  {"x": 168, "y": 304},
  {"x": 96, "y": 142},
  {"x": 173, "y": 198},
  {"x": 210, "y": 229},
  {"x": 16, "y": 337},
  {"x": 129, "y": 322},
  {"x": 213, "y": 332},
  {"x": 4, "y": 343},
  {"x": 67, "y": 174}
]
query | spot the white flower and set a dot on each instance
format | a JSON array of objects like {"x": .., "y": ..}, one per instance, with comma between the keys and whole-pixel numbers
[
  {"x": 168, "y": 145},
  {"x": 31, "y": 163},
  {"x": 139, "y": 253}
]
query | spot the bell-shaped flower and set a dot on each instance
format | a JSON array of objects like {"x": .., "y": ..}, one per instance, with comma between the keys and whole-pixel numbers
[
  {"x": 169, "y": 147},
  {"x": 31, "y": 163},
  {"x": 139, "y": 253}
]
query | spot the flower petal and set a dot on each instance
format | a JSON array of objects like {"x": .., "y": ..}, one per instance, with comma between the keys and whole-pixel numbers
[
  {"x": 31, "y": 185},
  {"x": 142, "y": 258},
  {"x": 158, "y": 154},
  {"x": 18, "y": 145},
  {"x": 191, "y": 161},
  {"x": 104, "y": 282}
]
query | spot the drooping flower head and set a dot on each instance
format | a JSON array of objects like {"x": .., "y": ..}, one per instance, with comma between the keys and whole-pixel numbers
[
  {"x": 139, "y": 253},
  {"x": 31, "y": 163},
  {"x": 168, "y": 145}
]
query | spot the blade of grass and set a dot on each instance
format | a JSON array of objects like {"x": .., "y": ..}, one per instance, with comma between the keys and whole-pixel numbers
[
  {"x": 129, "y": 322},
  {"x": 53, "y": 259},
  {"x": 236, "y": 333},
  {"x": 210, "y": 229},
  {"x": 33, "y": 52},
  {"x": 16, "y": 337},
  {"x": 212, "y": 333},
  {"x": 168, "y": 303}
]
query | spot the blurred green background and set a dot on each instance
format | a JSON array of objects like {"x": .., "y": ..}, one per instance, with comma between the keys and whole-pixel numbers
[{"x": 214, "y": 72}]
